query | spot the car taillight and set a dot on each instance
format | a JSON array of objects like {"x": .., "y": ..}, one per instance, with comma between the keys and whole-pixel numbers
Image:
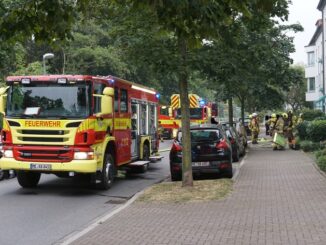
[
  {"x": 176, "y": 147},
  {"x": 224, "y": 165},
  {"x": 222, "y": 145}
]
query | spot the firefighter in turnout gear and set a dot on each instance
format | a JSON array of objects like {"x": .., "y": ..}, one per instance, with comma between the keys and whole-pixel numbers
[
  {"x": 300, "y": 119},
  {"x": 254, "y": 128},
  {"x": 272, "y": 123},
  {"x": 279, "y": 129},
  {"x": 291, "y": 123}
]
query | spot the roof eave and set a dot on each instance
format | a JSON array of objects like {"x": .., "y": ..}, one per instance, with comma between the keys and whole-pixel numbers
[{"x": 321, "y": 5}]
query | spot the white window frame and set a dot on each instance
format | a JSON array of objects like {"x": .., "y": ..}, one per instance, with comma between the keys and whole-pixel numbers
[
  {"x": 311, "y": 58},
  {"x": 310, "y": 79}
]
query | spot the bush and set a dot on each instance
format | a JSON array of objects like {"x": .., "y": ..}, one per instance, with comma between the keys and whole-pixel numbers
[
  {"x": 319, "y": 153},
  {"x": 320, "y": 118},
  {"x": 309, "y": 146},
  {"x": 321, "y": 162},
  {"x": 316, "y": 131},
  {"x": 302, "y": 130},
  {"x": 309, "y": 115}
]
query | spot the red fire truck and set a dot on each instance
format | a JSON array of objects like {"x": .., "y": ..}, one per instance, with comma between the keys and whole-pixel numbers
[
  {"x": 77, "y": 124},
  {"x": 167, "y": 122},
  {"x": 200, "y": 111}
]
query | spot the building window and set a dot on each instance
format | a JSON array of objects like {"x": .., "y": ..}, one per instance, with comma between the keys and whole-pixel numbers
[
  {"x": 311, "y": 84},
  {"x": 311, "y": 58}
]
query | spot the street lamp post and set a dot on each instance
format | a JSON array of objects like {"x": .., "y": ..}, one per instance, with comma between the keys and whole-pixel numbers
[{"x": 46, "y": 57}]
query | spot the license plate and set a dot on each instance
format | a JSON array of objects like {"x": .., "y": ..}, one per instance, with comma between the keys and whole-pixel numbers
[
  {"x": 38, "y": 166},
  {"x": 200, "y": 164}
]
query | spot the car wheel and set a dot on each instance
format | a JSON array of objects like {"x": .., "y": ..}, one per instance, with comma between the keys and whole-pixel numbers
[
  {"x": 28, "y": 179},
  {"x": 108, "y": 173},
  {"x": 175, "y": 177},
  {"x": 229, "y": 173},
  {"x": 236, "y": 155},
  {"x": 6, "y": 174},
  {"x": 2, "y": 175}
]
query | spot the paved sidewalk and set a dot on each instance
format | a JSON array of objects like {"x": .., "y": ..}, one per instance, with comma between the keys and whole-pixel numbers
[{"x": 279, "y": 198}]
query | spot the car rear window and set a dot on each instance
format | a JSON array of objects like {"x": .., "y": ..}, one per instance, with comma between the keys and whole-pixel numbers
[{"x": 203, "y": 135}]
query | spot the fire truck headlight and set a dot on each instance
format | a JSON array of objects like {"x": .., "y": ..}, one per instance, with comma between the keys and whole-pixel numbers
[
  {"x": 8, "y": 154},
  {"x": 84, "y": 155},
  {"x": 174, "y": 133}
]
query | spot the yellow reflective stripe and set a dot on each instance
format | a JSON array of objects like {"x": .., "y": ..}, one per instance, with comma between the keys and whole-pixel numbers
[
  {"x": 175, "y": 101},
  {"x": 193, "y": 101},
  {"x": 122, "y": 123}
]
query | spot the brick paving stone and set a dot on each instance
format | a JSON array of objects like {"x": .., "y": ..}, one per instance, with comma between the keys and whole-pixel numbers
[{"x": 279, "y": 198}]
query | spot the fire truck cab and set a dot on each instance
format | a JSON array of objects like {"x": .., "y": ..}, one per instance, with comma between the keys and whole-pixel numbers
[{"x": 77, "y": 124}]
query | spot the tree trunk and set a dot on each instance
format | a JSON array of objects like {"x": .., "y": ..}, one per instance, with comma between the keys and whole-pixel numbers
[
  {"x": 187, "y": 180},
  {"x": 242, "y": 101},
  {"x": 230, "y": 104}
]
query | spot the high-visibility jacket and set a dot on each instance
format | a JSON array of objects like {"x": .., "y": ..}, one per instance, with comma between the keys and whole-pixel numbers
[
  {"x": 279, "y": 126},
  {"x": 254, "y": 125}
]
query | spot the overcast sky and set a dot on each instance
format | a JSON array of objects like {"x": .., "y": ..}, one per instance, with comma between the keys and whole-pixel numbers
[{"x": 306, "y": 13}]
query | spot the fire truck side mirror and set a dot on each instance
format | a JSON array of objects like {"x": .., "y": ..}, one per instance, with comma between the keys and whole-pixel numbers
[
  {"x": 108, "y": 91},
  {"x": 3, "y": 99},
  {"x": 106, "y": 101}
]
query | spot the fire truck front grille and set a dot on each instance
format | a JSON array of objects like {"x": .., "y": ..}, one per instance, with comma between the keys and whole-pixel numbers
[
  {"x": 36, "y": 139},
  {"x": 43, "y": 132},
  {"x": 43, "y": 136},
  {"x": 39, "y": 154}
]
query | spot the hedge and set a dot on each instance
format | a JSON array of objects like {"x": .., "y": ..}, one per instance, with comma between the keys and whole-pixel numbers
[
  {"x": 321, "y": 162},
  {"x": 309, "y": 115},
  {"x": 316, "y": 131},
  {"x": 302, "y": 130},
  {"x": 308, "y": 146}
]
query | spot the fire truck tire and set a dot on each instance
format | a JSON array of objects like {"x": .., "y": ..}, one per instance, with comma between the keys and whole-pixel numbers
[
  {"x": 28, "y": 179},
  {"x": 108, "y": 173}
]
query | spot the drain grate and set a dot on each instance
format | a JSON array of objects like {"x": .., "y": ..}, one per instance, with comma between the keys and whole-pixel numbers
[{"x": 116, "y": 200}]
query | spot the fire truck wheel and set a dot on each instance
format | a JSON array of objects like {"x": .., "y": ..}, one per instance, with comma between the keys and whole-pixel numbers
[
  {"x": 107, "y": 175},
  {"x": 28, "y": 179}
]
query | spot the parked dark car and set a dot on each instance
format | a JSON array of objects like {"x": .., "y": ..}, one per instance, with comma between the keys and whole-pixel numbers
[
  {"x": 210, "y": 149},
  {"x": 237, "y": 143}
]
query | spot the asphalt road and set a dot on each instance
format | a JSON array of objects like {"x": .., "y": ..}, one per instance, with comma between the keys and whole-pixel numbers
[{"x": 60, "y": 207}]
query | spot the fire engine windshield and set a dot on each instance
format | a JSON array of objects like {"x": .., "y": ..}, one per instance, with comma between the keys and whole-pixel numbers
[
  {"x": 195, "y": 113},
  {"x": 48, "y": 100}
]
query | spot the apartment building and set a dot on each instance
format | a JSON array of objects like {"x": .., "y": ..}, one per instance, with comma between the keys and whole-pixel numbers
[{"x": 314, "y": 68}]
